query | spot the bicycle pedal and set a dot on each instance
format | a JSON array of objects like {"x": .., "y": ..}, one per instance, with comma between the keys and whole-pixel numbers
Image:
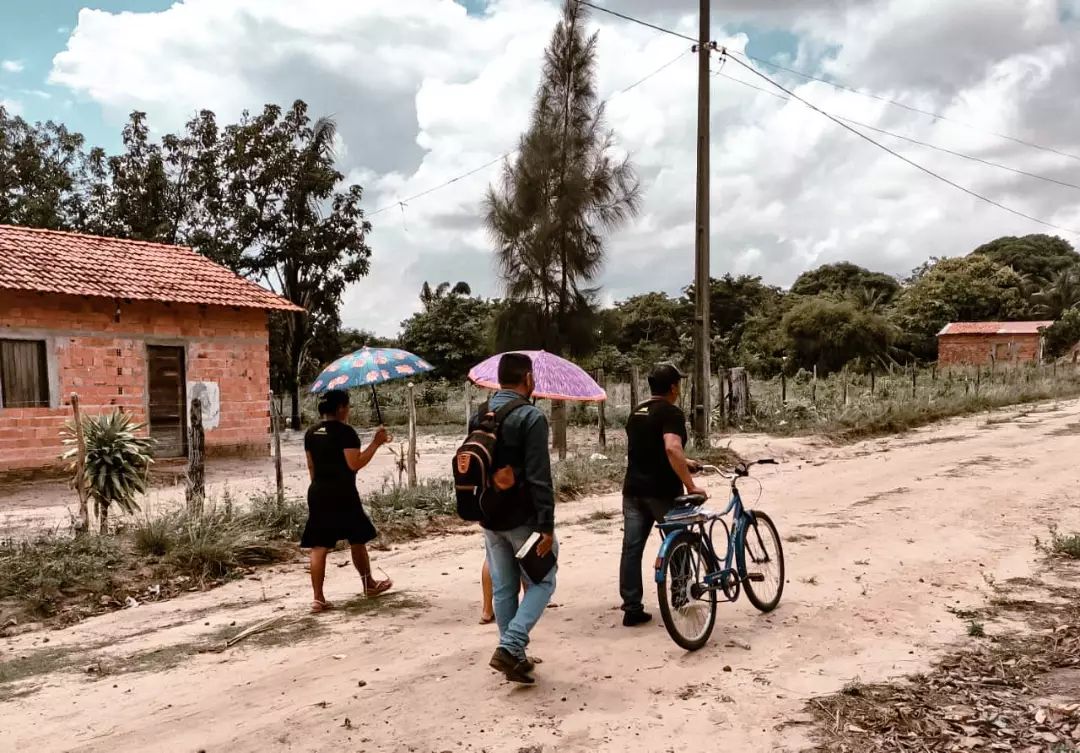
[{"x": 755, "y": 577}]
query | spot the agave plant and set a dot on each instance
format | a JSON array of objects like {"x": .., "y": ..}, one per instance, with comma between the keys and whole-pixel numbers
[{"x": 117, "y": 461}]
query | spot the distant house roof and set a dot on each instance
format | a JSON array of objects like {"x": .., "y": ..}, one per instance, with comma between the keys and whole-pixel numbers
[
  {"x": 993, "y": 328},
  {"x": 48, "y": 261}
]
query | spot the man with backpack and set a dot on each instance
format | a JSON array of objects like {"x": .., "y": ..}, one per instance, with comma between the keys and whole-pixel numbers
[
  {"x": 657, "y": 470},
  {"x": 503, "y": 478}
]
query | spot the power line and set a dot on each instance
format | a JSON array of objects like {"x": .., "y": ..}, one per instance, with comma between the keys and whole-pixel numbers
[
  {"x": 638, "y": 21},
  {"x": 928, "y": 145},
  {"x": 910, "y": 108},
  {"x": 897, "y": 154},
  {"x": 501, "y": 157}
]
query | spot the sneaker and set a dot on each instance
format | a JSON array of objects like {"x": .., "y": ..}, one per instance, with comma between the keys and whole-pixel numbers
[
  {"x": 633, "y": 619},
  {"x": 516, "y": 670}
]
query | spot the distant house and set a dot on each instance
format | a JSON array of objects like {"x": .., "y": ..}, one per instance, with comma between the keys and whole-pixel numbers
[
  {"x": 980, "y": 343},
  {"x": 125, "y": 324}
]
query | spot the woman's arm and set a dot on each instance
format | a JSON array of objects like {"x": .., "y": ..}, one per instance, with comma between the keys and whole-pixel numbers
[
  {"x": 310, "y": 466},
  {"x": 357, "y": 458}
]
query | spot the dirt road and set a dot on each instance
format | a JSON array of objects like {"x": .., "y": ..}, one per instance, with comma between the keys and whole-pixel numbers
[{"x": 881, "y": 538}]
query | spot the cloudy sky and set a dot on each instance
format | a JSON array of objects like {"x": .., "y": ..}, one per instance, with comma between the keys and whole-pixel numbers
[{"x": 426, "y": 90}]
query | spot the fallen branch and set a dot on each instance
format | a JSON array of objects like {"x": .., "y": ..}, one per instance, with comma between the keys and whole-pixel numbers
[{"x": 261, "y": 627}]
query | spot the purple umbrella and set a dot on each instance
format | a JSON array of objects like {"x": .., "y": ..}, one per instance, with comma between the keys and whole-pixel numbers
[{"x": 556, "y": 378}]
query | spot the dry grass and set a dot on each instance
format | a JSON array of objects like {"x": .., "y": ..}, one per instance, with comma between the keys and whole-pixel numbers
[{"x": 991, "y": 695}]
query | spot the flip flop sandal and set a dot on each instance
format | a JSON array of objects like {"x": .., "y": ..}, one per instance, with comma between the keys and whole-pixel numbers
[
  {"x": 320, "y": 606},
  {"x": 377, "y": 587}
]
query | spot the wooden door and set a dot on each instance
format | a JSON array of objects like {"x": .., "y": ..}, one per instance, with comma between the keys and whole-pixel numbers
[{"x": 168, "y": 400}]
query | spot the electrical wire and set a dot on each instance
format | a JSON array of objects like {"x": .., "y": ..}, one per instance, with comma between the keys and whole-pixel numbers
[
  {"x": 505, "y": 155},
  {"x": 910, "y": 108},
  {"x": 638, "y": 21},
  {"x": 897, "y": 154},
  {"x": 926, "y": 144}
]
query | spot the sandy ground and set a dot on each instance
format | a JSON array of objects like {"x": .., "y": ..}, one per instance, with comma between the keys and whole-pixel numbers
[{"x": 882, "y": 537}]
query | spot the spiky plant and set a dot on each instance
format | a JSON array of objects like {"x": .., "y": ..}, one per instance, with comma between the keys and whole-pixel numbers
[{"x": 117, "y": 461}]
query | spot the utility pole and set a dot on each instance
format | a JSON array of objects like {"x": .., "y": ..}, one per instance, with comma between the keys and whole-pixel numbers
[{"x": 702, "y": 408}]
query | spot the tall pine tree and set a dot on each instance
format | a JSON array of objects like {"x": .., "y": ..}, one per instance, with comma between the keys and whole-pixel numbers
[{"x": 562, "y": 192}]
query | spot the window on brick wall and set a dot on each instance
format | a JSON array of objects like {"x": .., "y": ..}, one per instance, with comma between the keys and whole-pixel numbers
[{"x": 24, "y": 374}]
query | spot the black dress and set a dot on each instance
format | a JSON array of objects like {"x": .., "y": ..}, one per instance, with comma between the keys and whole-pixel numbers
[{"x": 334, "y": 509}]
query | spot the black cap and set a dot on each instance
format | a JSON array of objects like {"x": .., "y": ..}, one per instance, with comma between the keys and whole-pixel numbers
[{"x": 663, "y": 377}]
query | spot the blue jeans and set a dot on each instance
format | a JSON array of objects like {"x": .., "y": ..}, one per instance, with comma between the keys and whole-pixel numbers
[
  {"x": 639, "y": 514},
  {"x": 514, "y": 619}
]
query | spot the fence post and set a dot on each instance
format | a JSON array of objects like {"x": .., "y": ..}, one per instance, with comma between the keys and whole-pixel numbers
[
  {"x": 873, "y": 380},
  {"x": 978, "y": 378},
  {"x": 600, "y": 409},
  {"x": 275, "y": 423},
  {"x": 410, "y": 464},
  {"x": 783, "y": 387},
  {"x": 558, "y": 422},
  {"x": 844, "y": 384},
  {"x": 635, "y": 388},
  {"x": 195, "y": 489},
  {"x": 914, "y": 374},
  {"x": 721, "y": 373},
  {"x": 468, "y": 405},
  {"x": 813, "y": 387},
  {"x": 83, "y": 524}
]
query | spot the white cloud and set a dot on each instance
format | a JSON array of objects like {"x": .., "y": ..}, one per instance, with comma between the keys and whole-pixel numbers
[
  {"x": 11, "y": 66},
  {"x": 423, "y": 92}
]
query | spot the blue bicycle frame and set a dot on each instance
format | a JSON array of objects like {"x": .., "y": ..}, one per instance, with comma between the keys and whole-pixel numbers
[{"x": 742, "y": 519}]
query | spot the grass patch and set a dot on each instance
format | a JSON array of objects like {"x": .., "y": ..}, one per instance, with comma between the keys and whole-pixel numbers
[
  {"x": 976, "y": 629},
  {"x": 1060, "y": 545},
  {"x": 402, "y": 514},
  {"x": 581, "y": 476},
  {"x": 62, "y": 578},
  {"x": 892, "y": 408}
]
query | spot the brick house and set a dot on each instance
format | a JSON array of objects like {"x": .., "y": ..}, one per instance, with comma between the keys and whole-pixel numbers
[
  {"x": 139, "y": 326},
  {"x": 980, "y": 343}
]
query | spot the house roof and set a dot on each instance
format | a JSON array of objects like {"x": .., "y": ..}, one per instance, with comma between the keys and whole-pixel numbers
[
  {"x": 49, "y": 261},
  {"x": 993, "y": 328}
]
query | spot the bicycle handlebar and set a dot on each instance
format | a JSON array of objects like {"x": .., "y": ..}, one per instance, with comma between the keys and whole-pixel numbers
[{"x": 741, "y": 470}]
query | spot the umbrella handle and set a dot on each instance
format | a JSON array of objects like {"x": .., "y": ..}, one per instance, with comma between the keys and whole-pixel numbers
[{"x": 378, "y": 410}]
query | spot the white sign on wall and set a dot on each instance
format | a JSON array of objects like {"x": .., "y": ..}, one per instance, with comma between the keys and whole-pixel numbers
[{"x": 209, "y": 395}]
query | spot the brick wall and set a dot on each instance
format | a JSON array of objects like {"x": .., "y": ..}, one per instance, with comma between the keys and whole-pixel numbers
[
  {"x": 977, "y": 349},
  {"x": 98, "y": 349}
]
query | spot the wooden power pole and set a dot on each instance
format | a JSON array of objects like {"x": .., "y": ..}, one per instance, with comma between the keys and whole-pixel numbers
[{"x": 702, "y": 408}]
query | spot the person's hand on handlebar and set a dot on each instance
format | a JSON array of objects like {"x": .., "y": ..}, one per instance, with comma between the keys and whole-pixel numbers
[
  {"x": 696, "y": 490},
  {"x": 694, "y": 466}
]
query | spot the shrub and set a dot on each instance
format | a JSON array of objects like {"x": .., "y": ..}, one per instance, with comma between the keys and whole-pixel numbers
[
  {"x": 50, "y": 569},
  {"x": 117, "y": 461}
]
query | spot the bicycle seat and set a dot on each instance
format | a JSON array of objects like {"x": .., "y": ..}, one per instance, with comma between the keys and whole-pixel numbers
[{"x": 689, "y": 500}]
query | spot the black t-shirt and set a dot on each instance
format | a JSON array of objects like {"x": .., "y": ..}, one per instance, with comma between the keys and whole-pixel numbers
[
  {"x": 648, "y": 471},
  {"x": 327, "y": 442}
]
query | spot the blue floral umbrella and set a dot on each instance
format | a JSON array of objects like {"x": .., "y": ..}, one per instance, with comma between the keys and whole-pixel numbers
[{"x": 368, "y": 367}]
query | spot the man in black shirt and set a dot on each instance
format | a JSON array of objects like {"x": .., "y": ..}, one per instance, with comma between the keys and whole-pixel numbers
[{"x": 657, "y": 471}]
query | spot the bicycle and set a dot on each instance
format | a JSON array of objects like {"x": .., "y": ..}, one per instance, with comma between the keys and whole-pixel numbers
[{"x": 689, "y": 572}]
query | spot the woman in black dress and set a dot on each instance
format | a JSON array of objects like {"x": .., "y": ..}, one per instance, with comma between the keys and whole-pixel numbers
[{"x": 334, "y": 455}]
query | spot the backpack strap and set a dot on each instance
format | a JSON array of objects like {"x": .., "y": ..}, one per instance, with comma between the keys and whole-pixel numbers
[
  {"x": 643, "y": 403},
  {"x": 504, "y": 412}
]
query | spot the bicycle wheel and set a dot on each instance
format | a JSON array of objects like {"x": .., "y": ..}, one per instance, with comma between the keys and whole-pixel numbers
[
  {"x": 763, "y": 575},
  {"x": 687, "y": 607}
]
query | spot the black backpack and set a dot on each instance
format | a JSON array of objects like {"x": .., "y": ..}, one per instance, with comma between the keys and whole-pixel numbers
[{"x": 477, "y": 482}]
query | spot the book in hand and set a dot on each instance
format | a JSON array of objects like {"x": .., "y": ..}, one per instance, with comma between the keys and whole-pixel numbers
[{"x": 532, "y": 564}]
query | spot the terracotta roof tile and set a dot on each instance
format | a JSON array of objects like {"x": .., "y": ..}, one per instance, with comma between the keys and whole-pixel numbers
[
  {"x": 993, "y": 328},
  {"x": 48, "y": 261}
]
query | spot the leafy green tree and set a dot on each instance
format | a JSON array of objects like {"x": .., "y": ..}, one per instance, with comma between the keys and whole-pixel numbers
[
  {"x": 1061, "y": 294},
  {"x": 39, "y": 169},
  {"x": 967, "y": 288},
  {"x": 1063, "y": 334},
  {"x": 847, "y": 280},
  {"x": 1036, "y": 256},
  {"x": 732, "y": 300},
  {"x": 829, "y": 334},
  {"x": 451, "y": 331},
  {"x": 564, "y": 189},
  {"x": 139, "y": 204},
  {"x": 652, "y": 318}
]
